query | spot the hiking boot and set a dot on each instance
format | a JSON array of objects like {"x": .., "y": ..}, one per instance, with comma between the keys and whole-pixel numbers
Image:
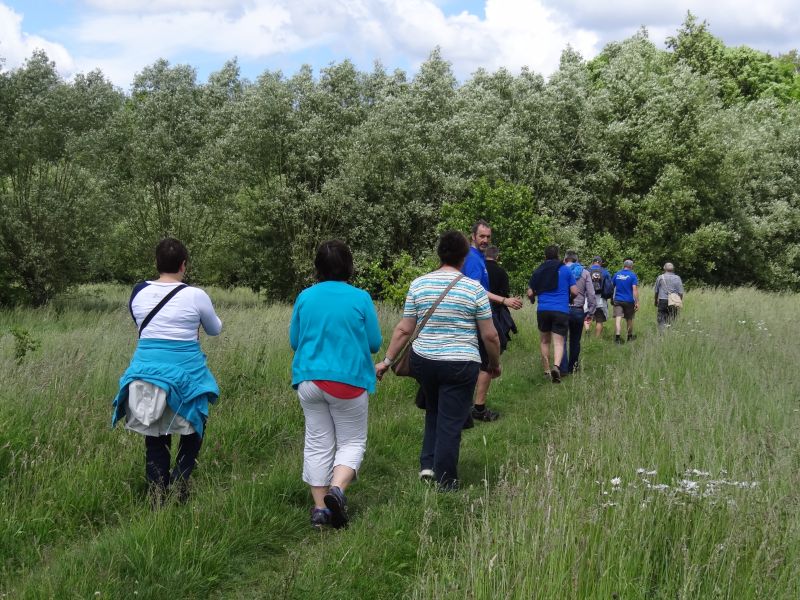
[
  {"x": 485, "y": 415},
  {"x": 631, "y": 337},
  {"x": 469, "y": 423},
  {"x": 617, "y": 339},
  {"x": 337, "y": 504},
  {"x": 427, "y": 475},
  {"x": 320, "y": 517},
  {"x": 555, "y": 375}
]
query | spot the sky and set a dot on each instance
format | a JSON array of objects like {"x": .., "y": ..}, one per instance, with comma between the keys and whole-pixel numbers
[{"x": 120, "y": 37}]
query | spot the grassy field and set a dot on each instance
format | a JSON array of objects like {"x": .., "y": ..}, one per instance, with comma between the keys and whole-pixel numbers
[{"x": 668, "y": 468}]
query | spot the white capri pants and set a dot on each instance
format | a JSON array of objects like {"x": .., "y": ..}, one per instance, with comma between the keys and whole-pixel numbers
[{"x": 336, "y": 433}]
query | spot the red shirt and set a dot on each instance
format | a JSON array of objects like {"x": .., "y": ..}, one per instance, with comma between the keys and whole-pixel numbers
[{"x": 339, "y": 390}]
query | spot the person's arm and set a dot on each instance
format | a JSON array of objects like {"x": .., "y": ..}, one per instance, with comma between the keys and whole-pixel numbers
[
  {"x": 515, "y": 303},
  {"x": 294, "y": 326},
  {"x": 491, "y": 341},
  {"x": 655, "y": 290},
  {"x": 374, "y": 338},
  {"x": 211, "y": 323},
  {"x": 591, "y": 297},
  {"x": 636, "y": 297},
  {"x": 402, "y": 332},
  {"x": 680, "y": 287}
]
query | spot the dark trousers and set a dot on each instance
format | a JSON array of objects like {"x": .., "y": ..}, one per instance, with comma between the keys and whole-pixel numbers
[
  {"x": 157, "y": 456},
  {"x": 666, "y": 314},
  {"x": 448, "y": 388},
  {"x": 573, "y": 340}
]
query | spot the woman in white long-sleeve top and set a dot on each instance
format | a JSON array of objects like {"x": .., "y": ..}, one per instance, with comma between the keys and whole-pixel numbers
[{"x": 167, "y": 387}]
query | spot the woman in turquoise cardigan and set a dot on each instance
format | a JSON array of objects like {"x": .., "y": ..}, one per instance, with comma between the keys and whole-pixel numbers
[{"x": 334, "y": 332}]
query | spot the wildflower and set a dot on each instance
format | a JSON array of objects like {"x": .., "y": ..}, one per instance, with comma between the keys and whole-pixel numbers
[{"x": 616, "y": 481}]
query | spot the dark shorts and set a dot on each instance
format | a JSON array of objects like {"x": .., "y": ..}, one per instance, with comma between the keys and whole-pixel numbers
[
  {"x": 551, "y": 321},
  {"x": 484, "y": 355},
  {"x": 624, "y": 309}
]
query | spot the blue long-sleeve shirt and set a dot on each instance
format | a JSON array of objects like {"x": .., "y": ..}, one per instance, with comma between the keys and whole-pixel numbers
[{"x": 334, "y": 332}]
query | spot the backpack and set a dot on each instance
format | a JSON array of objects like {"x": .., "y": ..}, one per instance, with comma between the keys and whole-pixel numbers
[{"x": 603, "y": 286}]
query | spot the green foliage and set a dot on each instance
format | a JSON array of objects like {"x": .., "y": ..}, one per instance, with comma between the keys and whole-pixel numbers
[
  {"x": 390, "y": 284},
  {"x": 688, "y": 154},
  {"x": 518, "y": 229},
  {"x": 24, "y": 343}
]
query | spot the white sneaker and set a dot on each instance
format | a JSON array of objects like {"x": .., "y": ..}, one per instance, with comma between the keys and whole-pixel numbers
[{"x": 427, "y": 475}]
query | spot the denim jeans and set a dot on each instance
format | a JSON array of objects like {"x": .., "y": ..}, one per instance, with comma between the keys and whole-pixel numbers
[
  {"x": 448, "y": 387},
  {"x": 573, "y": 340}
]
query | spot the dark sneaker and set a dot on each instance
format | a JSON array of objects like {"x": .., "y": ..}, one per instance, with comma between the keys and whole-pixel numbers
[
  {"x": 631, "y": 337},
  {"x": 617, "y": 339},
  {"x": 555, "y": 375},
  {"x": 320, "y": 517},
  {"x": 485, "y": 415},
  {"x": 337, "y": 503},
  {"x": 469, "y": 423}
]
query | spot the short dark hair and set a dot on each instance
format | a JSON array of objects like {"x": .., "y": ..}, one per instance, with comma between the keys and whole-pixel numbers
[
  {"x": 571, "y": 255},
  {"x": 170, "y": 255},
  {"x": 480, "y": 223},
  {"x": 453, "y": 247},
  {"x": 334, "y": 261},
  {"x": 551, "y": 252},
  {"x": 492, "y": 252}
]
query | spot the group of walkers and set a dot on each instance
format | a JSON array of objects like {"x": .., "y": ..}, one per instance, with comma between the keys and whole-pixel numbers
[{"x": 456, "y": 323}]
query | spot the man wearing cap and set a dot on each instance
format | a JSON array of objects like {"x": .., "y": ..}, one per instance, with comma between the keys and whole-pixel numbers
[
  {"x": 625, "y": 299},
  {"x": 603, "y": 289},
  {"x": 668, "y": 295}
]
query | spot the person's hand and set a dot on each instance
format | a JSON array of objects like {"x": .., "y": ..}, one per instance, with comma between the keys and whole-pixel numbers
[
  {"x": 380, "y": 370},
  {"x": 635, "y": 306},
  {"x": 513, "y": 303},
  {"x": 494, "y": 372}
]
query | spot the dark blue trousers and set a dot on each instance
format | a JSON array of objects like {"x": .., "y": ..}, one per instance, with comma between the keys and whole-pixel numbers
[
  {"x": 572, "y": 343},
  {"x": 157, "y": 456},
  {"x": 448, "y": 388}
]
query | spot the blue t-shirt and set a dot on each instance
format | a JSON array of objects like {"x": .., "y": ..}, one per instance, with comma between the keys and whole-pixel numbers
[
  {"x": 475, "y": 267},
  {"x": 624, "y": 281},
  {"x": 558, "y": 299}
]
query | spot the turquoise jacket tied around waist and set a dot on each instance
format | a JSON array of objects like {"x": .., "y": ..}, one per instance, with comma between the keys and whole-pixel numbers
[{"x": 177, "y": 367}]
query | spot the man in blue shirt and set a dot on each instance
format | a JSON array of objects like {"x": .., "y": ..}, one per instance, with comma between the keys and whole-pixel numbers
[
  {"x": 475, "y": 268},
  {"x": 626, "y": 299},
  {"x": 552, "y": 283}
]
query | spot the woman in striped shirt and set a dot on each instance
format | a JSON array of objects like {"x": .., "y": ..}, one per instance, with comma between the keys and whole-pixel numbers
[{"x": 444, "y": 358}]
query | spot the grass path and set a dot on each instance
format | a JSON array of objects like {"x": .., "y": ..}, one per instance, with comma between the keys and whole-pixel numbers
[{"x": 533, "y": 519}]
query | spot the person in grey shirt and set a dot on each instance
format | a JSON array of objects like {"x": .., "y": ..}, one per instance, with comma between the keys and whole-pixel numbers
[{"x": 666, "y": 284}]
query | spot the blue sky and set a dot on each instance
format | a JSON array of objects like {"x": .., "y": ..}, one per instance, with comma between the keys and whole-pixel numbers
[{"x": 122, "y": 36}]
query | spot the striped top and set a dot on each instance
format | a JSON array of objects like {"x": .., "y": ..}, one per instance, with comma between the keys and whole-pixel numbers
[{"x": 452, "y": 332}]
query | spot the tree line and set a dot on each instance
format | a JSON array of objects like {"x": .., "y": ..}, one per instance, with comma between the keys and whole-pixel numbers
[{"x": 689, "y": 154}]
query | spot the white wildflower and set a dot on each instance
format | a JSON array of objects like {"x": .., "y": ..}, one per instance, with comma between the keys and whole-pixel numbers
[{"x": 616, "y": 481}]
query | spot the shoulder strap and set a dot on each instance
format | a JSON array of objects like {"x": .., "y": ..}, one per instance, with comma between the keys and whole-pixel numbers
[
  {"x": 432, "y": 309},
  {"x": 159, "y": 306},
  {"x": 136, "y": 289}
]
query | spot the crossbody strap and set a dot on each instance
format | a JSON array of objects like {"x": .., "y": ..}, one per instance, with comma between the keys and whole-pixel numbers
[
  {"x": 432, "y": 309},
  {"x": 159, "y": 306}
]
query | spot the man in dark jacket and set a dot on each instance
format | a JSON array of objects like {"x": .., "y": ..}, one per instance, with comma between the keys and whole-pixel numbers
[
  {"x": 498, "y": 284},
  {"x": 552, "y": 283}
]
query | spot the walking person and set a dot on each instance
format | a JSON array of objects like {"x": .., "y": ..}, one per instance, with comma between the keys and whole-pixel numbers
[
  {"x": 475, "y": 268},
  {"x": 334, "y": 331},
  {"x": 552, "y": 283},
  {"x": 603, "y": 291},
  {"x": 625, "y": 300},
  {"x": 668, "y": 296},
  {"x": 167, "y": 388},
  {"x": 581, "y": 306},
  {"x": 499, "y": 285},
  {"x": 445, "y": 359}
]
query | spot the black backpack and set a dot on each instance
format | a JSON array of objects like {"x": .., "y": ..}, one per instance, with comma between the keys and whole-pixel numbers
[{"x": 602, "y": 285}]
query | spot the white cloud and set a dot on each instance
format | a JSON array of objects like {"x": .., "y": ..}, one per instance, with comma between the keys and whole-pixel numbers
[{"x": 16, "y": 45}]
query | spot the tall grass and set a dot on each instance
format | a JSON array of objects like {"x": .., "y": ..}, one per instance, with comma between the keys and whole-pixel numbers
[
  {"x": 675, "y": 475},
  {"x": 538, "y": 515}
]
